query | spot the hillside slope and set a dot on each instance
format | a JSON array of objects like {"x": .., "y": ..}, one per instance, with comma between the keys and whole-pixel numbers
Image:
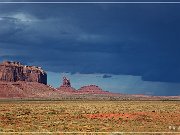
[{"x": 23, "y": 89}]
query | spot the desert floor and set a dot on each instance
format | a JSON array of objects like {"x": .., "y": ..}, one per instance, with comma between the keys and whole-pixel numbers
[{"x": 89, "y": 116}]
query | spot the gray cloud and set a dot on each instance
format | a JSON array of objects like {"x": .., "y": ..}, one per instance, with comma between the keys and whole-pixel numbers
[
  {"x": 106, "y": 76},
  {"x": 116, "y": 39}
]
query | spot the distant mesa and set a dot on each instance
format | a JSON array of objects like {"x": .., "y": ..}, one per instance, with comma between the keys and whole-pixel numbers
[
  {"x": 15, "y": 71},
  {"x": 19, "y": 81},
  {"x": 89, "y": 89},
  {"x": 92, "y": 89}
]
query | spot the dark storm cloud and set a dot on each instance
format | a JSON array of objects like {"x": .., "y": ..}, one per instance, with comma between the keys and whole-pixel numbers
[
  {"x": 128, "y": 39},
  {"x": 107, "y": 76}
]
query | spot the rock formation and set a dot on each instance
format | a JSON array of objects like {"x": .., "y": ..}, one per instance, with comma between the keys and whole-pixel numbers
[
  {"x": 22, "y": 89},
  {"x": 27, "y": 82},
  {"x": 66, "y": 82},
  {"x": 66, "y": 86},
  {"x": 15, "y": 71},
  {"x": 92, "y": 89}
]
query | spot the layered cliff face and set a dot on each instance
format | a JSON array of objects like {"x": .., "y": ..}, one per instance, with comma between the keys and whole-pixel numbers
[{"x": 15, "y": 71}]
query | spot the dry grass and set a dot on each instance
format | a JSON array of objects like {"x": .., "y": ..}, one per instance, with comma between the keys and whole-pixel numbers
[{"x": 90, "y": 116}]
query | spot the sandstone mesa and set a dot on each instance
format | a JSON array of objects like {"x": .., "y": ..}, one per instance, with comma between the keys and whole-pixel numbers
[
  {"x": 19, "y": 81},
  {"x": 15, "y": 71}
]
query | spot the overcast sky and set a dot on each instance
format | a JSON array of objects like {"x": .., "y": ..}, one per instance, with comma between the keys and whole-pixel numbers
[{"x": 126, "y": 48}]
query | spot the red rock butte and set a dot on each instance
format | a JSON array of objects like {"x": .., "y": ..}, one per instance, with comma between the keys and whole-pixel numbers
[
  {"x": 15, "y": 71},
  {"x": 66, "y": 86},
  {"x": 19, "y": 81},
  {"x": 90, "y": 89}
]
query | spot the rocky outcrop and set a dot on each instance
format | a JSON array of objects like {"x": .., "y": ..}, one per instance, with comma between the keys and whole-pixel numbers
[
  {"x": 90, "y": 89},
  {"x": 15, "y": 71},
  {"x": 66, "y": 82},
  {"x": 66, "y": 86}
]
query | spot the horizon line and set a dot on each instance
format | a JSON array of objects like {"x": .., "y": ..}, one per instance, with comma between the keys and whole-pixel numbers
[{"x": 88, "y": 2}]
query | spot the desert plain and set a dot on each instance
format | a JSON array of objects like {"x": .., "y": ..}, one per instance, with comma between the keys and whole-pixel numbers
[{"x": 89, "y": 117}]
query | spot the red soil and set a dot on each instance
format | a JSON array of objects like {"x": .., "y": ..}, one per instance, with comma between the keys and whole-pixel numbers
[
  {"x": 109, "y": 115},
  {"x": 131, "y": 116}
]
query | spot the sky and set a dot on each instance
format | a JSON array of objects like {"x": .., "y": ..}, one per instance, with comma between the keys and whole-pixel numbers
[{"x": 124, "y": 48}]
